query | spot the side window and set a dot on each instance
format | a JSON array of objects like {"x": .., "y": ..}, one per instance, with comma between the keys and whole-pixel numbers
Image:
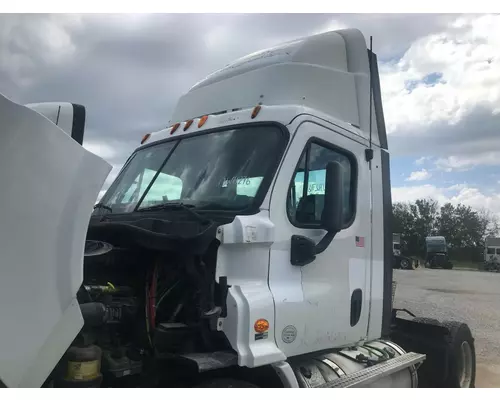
[
  {"x": 490, "y": 250},
  {"x": 307, "y": 191}
]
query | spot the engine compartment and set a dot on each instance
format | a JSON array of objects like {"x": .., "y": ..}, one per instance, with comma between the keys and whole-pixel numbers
[{"x": 149, "y": 301}]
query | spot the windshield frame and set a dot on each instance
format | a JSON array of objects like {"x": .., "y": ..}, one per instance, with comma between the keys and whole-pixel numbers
[{"x": 252, "y": 208}]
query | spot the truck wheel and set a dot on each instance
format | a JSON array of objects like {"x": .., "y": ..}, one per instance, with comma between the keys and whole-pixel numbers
[
  {"x": 462, "y": 356},
  {"x": 404, "y": 263},
  {"x": 448, "y": 265},
  {"x": 225, "y": 383}
]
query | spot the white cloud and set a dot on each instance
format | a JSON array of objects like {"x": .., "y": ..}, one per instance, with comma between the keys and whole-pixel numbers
[
  {"x": 421, "y": 160},
  {"x": 455, "y": 194},
  {"x": 29, "y": 41},
  {"x": 100, "y": 148},
  {"x": 464, "y": 163},
  {"x": 421, "y": 175},
  {"x": 455, "y": 116},
  {"x": 466, "y": 55},
  {"x": 457, "y": 187},
  {"x": 412, "y": 193}
]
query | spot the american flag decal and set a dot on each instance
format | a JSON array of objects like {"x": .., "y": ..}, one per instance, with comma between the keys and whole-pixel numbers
[{"x": 360, "y": 241}]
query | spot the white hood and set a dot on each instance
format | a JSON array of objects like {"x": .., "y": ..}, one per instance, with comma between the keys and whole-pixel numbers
[{"x": 48, "y": 186}]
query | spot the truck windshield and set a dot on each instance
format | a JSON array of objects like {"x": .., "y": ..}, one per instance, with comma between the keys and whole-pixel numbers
[
  {"x": 221, "y": 170},
  {"x": 436, "y": 247}
]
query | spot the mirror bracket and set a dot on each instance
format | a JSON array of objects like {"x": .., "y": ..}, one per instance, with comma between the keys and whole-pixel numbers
[
  {"x": 324, "y": 242},
  {"x": 302, "y": 251}
]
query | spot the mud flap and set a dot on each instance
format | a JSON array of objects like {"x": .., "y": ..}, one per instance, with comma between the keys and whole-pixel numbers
[
  {"x": 437, "y": 341},
  {"x": 428, "y": 339},
  {"x": 48, "y": 186}
]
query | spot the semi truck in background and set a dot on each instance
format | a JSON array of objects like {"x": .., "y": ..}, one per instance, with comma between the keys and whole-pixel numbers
[
  {"x": 247, "y": 245},
  {"x": 437, "y": 253},
  {"x": 401, "y": 261},
  {"x": 492, "y": 254},
  {"x": 396, "y": 244}
]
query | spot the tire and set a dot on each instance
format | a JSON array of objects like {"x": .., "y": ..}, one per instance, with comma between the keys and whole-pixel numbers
[
  {"x": 448, "y": 265},
  {"x": 404, "y": 263},
  {"x": 462, "y": 356},
  {"x": 396, "y": 262},
  {"x": 225, "y": 383}
]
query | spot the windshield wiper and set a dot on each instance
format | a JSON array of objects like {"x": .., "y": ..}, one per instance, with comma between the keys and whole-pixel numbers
[
  {"x": 182, "y": 206},
  {"x": 103, "y": 206}
]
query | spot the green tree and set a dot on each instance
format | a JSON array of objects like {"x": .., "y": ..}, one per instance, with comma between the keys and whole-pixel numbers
[
  {"x": 415, "y": 221},
  {"x": 425, "y": 213},
  {"x": 463, "y": 227}
]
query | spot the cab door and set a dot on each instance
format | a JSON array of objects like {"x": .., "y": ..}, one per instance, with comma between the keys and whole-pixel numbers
[{"x": 323, "y": 304}]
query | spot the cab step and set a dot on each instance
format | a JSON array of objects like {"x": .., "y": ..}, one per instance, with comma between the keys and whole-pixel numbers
[{"x": 375, "y": 372}]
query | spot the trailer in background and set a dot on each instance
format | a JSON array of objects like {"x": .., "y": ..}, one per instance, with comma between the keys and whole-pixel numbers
[
  {"x": 401, "y": 261},
  {"x": 437, "y": 253},
  {"x": 492, "y": 254}
]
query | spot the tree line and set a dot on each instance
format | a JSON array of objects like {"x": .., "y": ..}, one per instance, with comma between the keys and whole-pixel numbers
[{"x": 464, "y": 228}]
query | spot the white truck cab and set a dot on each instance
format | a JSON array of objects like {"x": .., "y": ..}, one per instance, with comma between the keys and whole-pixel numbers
[
  {"x": 492, "y": 249},
  {"x": 396, "y": 244},
  {"x": 492, "y": 253},
  {"x": 255, "y": 232}
]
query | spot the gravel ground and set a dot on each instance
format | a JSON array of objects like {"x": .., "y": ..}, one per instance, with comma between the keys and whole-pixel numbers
[{"x": 469, "y": 296}]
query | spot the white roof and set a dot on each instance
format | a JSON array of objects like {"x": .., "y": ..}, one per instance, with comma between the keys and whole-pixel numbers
[
  {"x": 328, "y": 72},
  {"x": 493, "y": 241},
  {"x": 435, "y": 239}
]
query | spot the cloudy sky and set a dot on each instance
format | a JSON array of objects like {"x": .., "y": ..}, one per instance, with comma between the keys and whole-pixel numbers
[{"x": 440, "y": 77}]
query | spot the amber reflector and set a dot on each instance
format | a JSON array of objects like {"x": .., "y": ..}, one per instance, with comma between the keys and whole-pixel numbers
[
  {"x": 255, "y": 111},
  {"x": 261, "y": 325}
]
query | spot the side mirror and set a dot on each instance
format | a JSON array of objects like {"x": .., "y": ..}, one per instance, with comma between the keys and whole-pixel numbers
[
  {"x": 67, "y": 116},
  {"x": 332, "y": 218}
]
